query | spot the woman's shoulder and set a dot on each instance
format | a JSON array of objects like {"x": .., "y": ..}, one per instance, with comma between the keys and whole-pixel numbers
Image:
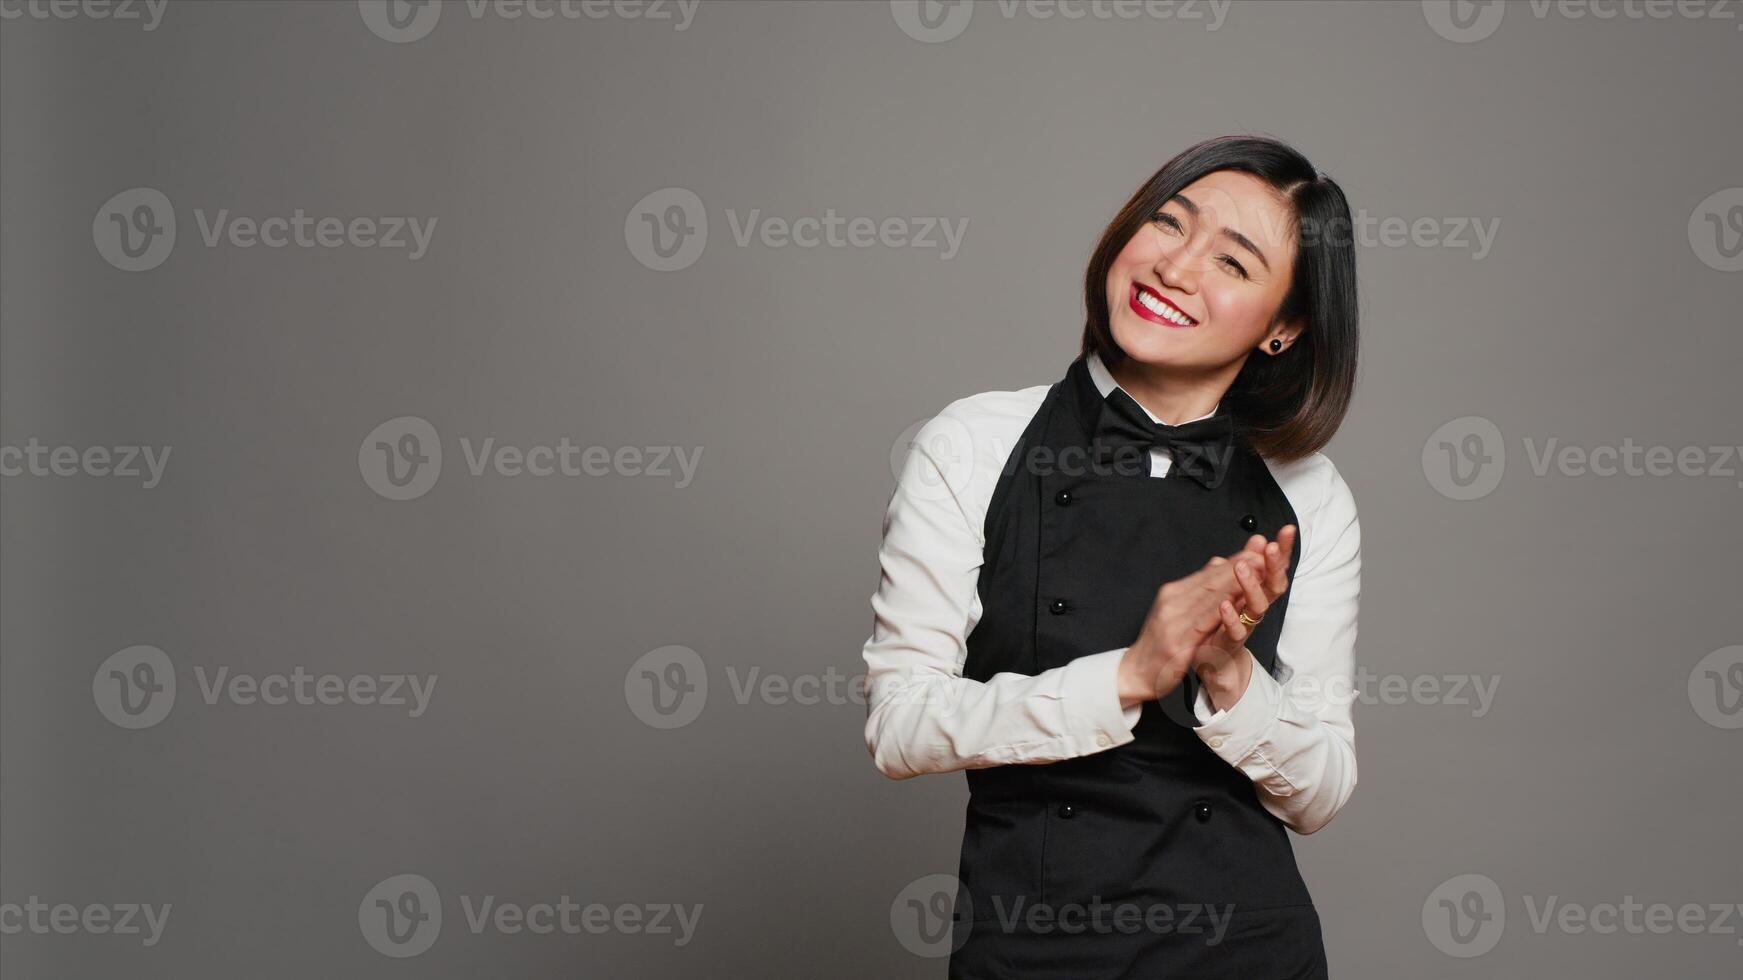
[
  {"x": 971, "y": 437},
  {"x": 985, "y": 425},
  {"x": 1000, "y": 406},
  {"x": 1313, "y": 478},
  {"x": 1325, "y": 509}
]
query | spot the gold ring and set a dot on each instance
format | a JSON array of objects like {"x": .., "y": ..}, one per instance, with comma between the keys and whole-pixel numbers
[{"x": 1249, "y": 621}]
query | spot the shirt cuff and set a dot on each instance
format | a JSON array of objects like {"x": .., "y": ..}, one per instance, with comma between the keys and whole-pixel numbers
[
  {"x": 1234, "y": 732},
  {"x": 1091, "y": 686}
]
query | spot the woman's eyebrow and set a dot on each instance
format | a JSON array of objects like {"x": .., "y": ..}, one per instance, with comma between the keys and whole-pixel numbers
[{"x": 1233, "y": 235}]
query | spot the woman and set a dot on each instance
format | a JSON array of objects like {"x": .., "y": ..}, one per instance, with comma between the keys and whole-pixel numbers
[{"x": 1125, "y": 603}]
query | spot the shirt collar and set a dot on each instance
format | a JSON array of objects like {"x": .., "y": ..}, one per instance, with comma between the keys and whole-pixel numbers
[{"x": 1105, "y": 383}]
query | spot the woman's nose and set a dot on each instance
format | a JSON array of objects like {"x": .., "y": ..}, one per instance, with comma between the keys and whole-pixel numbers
[{"x": 1177, "y": 270}]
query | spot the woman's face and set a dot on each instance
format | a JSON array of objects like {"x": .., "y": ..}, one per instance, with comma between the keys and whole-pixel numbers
[{"x": 1197, "y": 286}]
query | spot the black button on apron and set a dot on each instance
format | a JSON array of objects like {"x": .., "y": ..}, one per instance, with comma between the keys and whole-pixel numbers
[
  {"x": 1063, "y": 498},
  {"x": 1249, "y": 523},
  {"x": 1067, "y": 811},
  {"x": 1058, "y": 606},
  {"x": 1202, "y": 811}
]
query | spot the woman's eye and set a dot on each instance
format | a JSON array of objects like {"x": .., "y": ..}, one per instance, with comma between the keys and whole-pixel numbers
[{"x": 1169, "y": 221}]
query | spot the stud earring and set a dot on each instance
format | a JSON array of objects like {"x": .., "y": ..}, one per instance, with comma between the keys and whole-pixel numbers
[{"x": 1276, "y": 345}]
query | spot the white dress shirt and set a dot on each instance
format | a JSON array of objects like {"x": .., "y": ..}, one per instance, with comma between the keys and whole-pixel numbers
[{"x": 1293, "y": 737}]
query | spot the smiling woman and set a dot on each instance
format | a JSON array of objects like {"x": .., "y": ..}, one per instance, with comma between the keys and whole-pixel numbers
[
  {"x": 1257, "y": 244},
  {"x": 1123, "y": 617}
]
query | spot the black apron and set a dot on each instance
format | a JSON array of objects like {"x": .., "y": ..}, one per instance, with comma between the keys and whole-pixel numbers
[{"x": 1153, "y": 859}]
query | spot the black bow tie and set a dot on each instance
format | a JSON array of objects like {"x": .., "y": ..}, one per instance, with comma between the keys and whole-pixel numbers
[{"x": 1200, "y": 449}]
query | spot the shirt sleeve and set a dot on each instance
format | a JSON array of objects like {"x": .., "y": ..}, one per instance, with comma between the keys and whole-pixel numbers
[
  {"x": 922, "y": 715},
  {"x": 1294, "y": 738}
]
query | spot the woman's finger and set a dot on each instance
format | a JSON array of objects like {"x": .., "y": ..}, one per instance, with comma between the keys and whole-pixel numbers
[
  {"x": 1237, "y": 631},
  {"x": 1276, "y": 569},
  {"x": 1252, "y": 559},
  {"x": 1253, "y": 586},
  {"x": 1278, "y": 565}
]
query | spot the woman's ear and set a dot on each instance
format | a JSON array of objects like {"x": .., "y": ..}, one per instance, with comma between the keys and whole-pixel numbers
[{"x": 1281, "y": 335}]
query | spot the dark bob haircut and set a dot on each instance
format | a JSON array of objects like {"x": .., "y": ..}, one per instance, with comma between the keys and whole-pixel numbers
[{"x": 1289, "y": 405}]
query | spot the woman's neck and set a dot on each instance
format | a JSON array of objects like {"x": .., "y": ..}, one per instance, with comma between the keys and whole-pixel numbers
[{"x": 1174, "y": 396}]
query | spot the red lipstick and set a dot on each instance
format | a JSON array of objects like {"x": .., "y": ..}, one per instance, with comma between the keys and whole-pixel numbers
[{"x": 1156, "y": 299}]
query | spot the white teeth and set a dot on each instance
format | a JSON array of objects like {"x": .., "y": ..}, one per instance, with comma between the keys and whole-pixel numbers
[{"x": 1161, "y": 309}]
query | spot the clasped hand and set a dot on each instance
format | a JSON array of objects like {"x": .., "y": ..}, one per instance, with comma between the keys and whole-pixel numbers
[{"x": 1194, "y": 623}]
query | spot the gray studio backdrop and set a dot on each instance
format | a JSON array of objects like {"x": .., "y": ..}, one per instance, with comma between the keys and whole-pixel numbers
[{"x": 445, "y": 448}]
